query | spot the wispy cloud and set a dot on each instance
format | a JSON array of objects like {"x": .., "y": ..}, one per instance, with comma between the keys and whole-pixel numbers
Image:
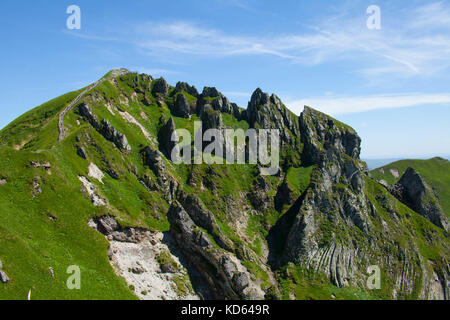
[
  {"x": 409, "y": 48},
  {"x": 417, "y": 44},
  {"x": 341, "y": 105}
]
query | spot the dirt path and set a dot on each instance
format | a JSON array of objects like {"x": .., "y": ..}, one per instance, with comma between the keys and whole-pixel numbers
[{"x": 62, "y": 130}]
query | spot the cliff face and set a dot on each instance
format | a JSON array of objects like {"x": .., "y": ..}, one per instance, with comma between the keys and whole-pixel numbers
[
  {"x": 414, "y": 192},
  {"x": 216, "y": 231}
]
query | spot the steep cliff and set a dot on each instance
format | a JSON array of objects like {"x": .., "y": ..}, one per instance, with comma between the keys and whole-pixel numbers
[{"x": 110, "y": 200}]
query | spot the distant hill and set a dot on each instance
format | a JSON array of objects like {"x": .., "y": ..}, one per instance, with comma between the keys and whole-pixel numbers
[
  {"x": 378, "y": 163},
  {"x": 435, "y": 171}
]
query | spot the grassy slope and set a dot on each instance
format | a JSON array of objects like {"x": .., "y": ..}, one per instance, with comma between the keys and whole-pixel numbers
[
  {"x": 25, "y": 226},
  {"x": 31, "y": 242},
  {"x": 436, "y": 173}
]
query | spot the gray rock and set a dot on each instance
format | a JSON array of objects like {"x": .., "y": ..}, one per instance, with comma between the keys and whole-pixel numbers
[
  {"x": 183, "y": 86},
  {"x": 229, "y": 268},
  {"x": 4, "y": 277},
  {"x": 107, "y": 224},
  {"x": 210, "y": 92},
  {"x": 165, "y": 139},
  {"x": 241, "y": 281},
  {"x": 110, "y": 133},
  {"x": 81, "y": 152},
  {"x": 414, "y": 192},
  {"x": 160, "y": 87},
  {"x": 105, "y": 128},
  {"x": 182, "y": 108}
]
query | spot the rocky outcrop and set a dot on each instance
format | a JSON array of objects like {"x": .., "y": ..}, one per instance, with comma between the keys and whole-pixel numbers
[
  {"x": 111, "y": 134},
  {"x": 160, "y": 87},
  {"x": 226, "y": 276},
  {"x": 182, "y": 108},
  {"x": 203, "y": 218},
  {"x": 167, "y": 183},
  {"x": 331, "y": 227},
  {"x": 105, "y": 128},
  {"x": 148, "y": 261},
  {"x": 183, "y": 86},
  {"x": 414, "y": 192},
  {"x": 166, "y": 143},
  {"x": 3, "y": 276}
]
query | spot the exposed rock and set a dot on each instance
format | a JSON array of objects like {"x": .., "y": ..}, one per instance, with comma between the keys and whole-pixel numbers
[
  {"x": 81, "y": 152},
  {"x": 215, "y": 266},
  {"x": 110, "y": 133},
  {"x": 4, "y": 277},
  {"x": 167, "y": 182},
  {"x": 90, "y": 189},
  {"x": 414, "y": 192},
  {"x": 45, "y": 165},
  {"x": 165, "y": 139},
  {"x": 105, "y": 128},
  {"x": 211, "y": 119},
  {"x": 241, "y": 281},
  {"x": 95, "y": 172},
  {"x": 37, "y": 189},
  {"x": 160, "y": 87},
  {"x": 134, "y": 255},
  {"x": 182, "y": 108},
  {"x": 105, "y": 224},
  {"x": 183, "y": 86},
  {"x": 203, "y": 218},
  {"x": 210, "y": 92}
]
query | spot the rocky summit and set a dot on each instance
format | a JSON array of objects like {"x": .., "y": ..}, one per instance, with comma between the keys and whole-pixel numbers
[{"x": 87, "y": 180}]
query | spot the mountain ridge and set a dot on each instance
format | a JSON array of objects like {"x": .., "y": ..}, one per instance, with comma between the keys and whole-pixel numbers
[{"x": 308, "y": 232}]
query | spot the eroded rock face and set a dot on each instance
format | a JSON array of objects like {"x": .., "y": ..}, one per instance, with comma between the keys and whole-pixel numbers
[
  {"x": 167, "y": 183},
  {"x": 160, "y": 87},
  {"x": 136, "y": 255},
  {"x": 182, "y": 108},
  {"x": 413, "y": 191},
  {"x": 226, "y": 276},
  {"x": 4, "y": 277},
  {"x": 183, "y": 86},
  {"x": 336, "y": 201},
  {"x": 105, "y": 128},
  {"x": 167, "y": 144}
]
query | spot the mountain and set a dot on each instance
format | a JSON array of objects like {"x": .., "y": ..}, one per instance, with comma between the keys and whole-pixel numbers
[
  {"x": 87, "y": 183},
  {"x": 424, "y": 185}
]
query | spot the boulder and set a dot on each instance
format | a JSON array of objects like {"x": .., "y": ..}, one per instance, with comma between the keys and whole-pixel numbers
[
  {"x": 414, "y": 192},
  {"x": 160, "y": 87},
  {"x": 4, "y": 277},
  {"x": 182, "y": 108}
]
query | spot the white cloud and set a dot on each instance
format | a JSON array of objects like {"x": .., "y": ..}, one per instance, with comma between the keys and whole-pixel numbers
[
  {"x": 343, "y": 105},
  {"x": 408, "y": 47}
]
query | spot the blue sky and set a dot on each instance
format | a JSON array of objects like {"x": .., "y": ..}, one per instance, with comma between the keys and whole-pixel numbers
[{"x": 391, "y": 85}]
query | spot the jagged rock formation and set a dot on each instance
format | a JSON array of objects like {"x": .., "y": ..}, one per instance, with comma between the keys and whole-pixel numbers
[
  {"x": 413, "y": 191},
  {"x": 105, "y": 128},
  {"x": 179, "y": 231}
]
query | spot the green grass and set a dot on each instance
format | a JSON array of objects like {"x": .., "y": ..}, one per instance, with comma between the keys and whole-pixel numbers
[
  {"x": 31, "y": 242},
  {"x": 436, "y": 173}
]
